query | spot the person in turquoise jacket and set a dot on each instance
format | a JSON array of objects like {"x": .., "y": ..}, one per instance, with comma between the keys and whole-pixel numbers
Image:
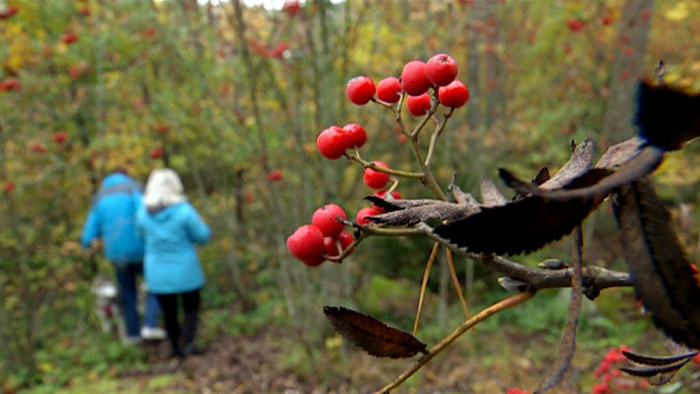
[
  {"x": 171, "y": 228},
  {"x": 112, "y": 218}
]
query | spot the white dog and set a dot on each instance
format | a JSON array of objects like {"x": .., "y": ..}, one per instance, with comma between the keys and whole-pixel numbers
[{"x": 107, "y": 307}]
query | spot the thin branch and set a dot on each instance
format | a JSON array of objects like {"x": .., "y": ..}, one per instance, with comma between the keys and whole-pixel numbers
[
  {"x": 423, "y": 285},
  {"x": 568, "y": 341},
  {"x": 455, "y": 280},
  {"x": 461, "y": 329}
]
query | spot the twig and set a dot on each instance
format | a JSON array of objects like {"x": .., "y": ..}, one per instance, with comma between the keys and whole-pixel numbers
[
  {"x": 461, "y": 329},
  {"x": 455, "y": 280},
  {"x": 423, "y": 285},
  {"x": 568, "y": 341}
]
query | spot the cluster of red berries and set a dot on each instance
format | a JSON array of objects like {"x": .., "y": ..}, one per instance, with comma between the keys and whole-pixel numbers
[
  {"x": 610, "y": 378},
  {"x": 417, "y": 77},
  {"x": 8, "y": 85},
  {"x": 334, "y": 141},
  {"x": 311, "y": 243},
  {"x": 324, "y": 239}
]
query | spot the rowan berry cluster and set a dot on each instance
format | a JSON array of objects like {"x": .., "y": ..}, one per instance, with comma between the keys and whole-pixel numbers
[
  {"x": 324, "y": 239},
  {"x": 315, "y": 243},
  {"x": 610, "y": 379}
]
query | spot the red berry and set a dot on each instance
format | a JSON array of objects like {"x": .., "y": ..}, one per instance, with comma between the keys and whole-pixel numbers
[
  {"x": 69, "y": 38},
  {"x": 9, "y": 186},
  {"x": 162, "y": 128},
  {"x": 418, "y": 105},
  {"x": 362, "y": 214},
  {"x": 441, "y": 69},
  {"x": 414, "y": 79},
  {"x": 59, "y": 137},
  {"x": 274, "y": 175},
  {"x": 306, "y": 243},
  {"x": 330, "y": 248},
  {"x": 314, "y": 261},
  {"x": 332, "y": 142},
  {"x": 326, "y": 219},
  {"x": 291, "y": 7},
  {"x": 360, "y": 90},
  {"x": 345, "y": 239},
  {"x": 453, "y": 95},
  {"x": 38, "y": 148},
  {"x": 376, "y": 179},
  {"x": 607, "y": 20},
  {"x": 330, "y": 244},
  {"x": 575, "y": 25},
  {"x": 355, "y": 135},
  {"x": 389, "y": 90},
  {"x": 157, "y": 153}
]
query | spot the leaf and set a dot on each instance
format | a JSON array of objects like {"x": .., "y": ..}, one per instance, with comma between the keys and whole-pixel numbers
[
  {"x": 373, "y": 336},
  {"x": 410, "y": 212},
  {"x": 646, "y": 359},
  {"x": 596, "y": 182},
  {"x": 663, "y": 277},
  {"x": 518, "y": 227},
  {"x": 657, "y": 369},
  {"x": 667, "y": 117},
  {"x": 490, "y": 195}
]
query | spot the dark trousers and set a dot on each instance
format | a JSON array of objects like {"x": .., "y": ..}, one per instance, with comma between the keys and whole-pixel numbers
[
  {"x": 169, "y": 306},
  {"x": 126, "y": 276}
]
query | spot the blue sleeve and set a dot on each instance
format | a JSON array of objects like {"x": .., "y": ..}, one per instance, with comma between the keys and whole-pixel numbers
[
  {"x": 140, "y": 219},
  {"x": 91, "y": 228},
  {"x": 198, "y": 230}
]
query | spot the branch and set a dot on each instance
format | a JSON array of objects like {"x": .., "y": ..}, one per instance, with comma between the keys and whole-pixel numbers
[{"x": 461, "y": 329}]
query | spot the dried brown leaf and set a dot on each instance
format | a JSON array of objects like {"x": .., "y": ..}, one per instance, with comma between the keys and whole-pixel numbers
[
  {"x": 661, "y": 272},
  {"x": 373, "y": 336}
]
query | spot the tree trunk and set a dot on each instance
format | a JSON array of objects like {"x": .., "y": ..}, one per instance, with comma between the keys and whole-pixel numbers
[
  {"x": 495, "y": 98},
  {"x": 630, "y": 47}
]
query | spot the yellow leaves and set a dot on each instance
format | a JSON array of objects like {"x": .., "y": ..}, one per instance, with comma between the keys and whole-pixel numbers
[
  {"x": 18, "y": 50},
  {"x": 678, "y": 12}
]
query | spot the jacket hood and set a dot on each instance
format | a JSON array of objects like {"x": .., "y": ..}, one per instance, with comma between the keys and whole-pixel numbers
[{"x": 163, "y": 213}]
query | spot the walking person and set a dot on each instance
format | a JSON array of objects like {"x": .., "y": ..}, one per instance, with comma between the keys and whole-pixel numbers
[
  {"x": 171, "y": 227},
  {"x": 112, "y": 218}
]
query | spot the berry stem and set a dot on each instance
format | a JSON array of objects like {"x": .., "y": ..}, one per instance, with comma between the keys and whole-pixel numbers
[
  {"x": 370, "y": 164},
  {"x": 439, "y": 128}
]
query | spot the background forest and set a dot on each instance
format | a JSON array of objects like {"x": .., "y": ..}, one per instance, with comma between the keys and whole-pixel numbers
[{"x": 232, "y": 97}]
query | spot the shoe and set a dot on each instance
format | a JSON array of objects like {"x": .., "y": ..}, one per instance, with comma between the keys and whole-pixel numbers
[
  {"x": 192, "y": 350},
  {"x": 153, "y": 333}
]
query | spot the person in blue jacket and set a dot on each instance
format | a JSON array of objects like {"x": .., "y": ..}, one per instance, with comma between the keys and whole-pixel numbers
[
  {"x": 171, "y": 228},
  {"x": 112, "y": 218}
]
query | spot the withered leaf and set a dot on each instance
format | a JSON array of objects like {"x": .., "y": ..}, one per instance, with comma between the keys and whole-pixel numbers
[
  {"x": 657, "y": 369},
  {"x": 410, "y": 212},
  {"x": 647, "y": 372},
  {"x": 596, "y": 182},
  {"x": 519, "y": 226},
  {"x": 667, "y": 117},
  {"x": 662, "y": 276},
  {"x": 373, "y": 336},
  {"x": 650, "y": 360}
]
